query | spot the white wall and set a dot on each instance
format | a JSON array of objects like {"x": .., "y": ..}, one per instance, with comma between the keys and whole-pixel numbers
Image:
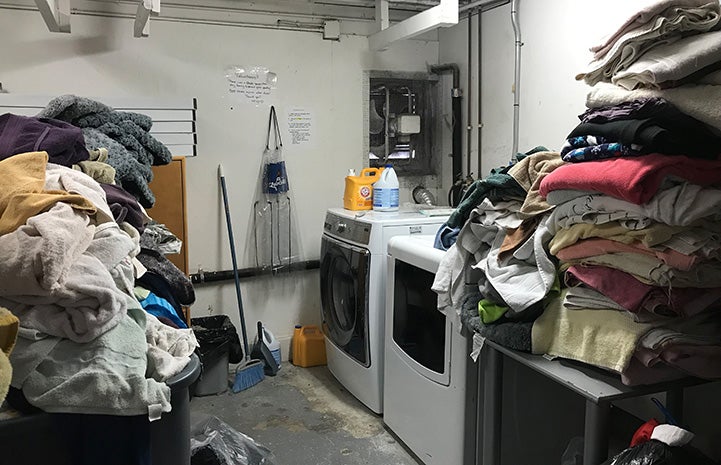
[
  {"x": 556, "y": 35},
  {"x": 101, "y": 58}
]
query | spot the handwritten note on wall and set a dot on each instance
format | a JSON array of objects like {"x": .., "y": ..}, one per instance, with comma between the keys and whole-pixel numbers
[
  {"x": 253, "y": 85},
  {"x": 300, "y": 126}
]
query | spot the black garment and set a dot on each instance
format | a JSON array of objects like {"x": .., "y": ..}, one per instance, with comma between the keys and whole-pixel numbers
[
  {"x": 655, "y": 136},
  {"x": 160, "y": 287},
  {"x": 179, "y": 283},
  {"x": 690, "y": 136},
  {"x": 63, "y": 142}
]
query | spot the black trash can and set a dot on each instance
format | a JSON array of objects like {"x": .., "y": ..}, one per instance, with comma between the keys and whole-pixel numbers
[
  {"x": 71, "y": 439},
  {"x": 219, "y": 345}
]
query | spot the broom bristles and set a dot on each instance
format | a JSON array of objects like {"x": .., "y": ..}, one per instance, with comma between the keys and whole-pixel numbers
[{"x": 248, "y": 375}]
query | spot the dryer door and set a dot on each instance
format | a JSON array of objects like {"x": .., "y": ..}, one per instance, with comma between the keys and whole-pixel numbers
[{"x": 344, "y": 273}]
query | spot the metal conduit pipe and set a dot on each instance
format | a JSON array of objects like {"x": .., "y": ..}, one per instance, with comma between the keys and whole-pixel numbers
[
  {"x": 456, "y": 95},
  {"x": 469, "y": 96},
  {"x": 102, "y": 14},
  {"x": 227, "y": 275},
  {"x": 517, "y": 76},
  {"x": 480, "y": 96}
]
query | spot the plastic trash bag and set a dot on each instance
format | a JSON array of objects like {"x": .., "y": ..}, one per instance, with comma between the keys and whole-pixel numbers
[
  {"x": 214, "y": 442},
  {"x": 215, "y": 330},
  {"x": 657, "y": 453}
]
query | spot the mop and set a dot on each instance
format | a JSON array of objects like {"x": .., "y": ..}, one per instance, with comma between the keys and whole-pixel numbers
[{"x": 250, "y": 371}]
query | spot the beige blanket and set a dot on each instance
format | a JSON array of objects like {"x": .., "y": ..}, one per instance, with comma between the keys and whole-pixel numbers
[{"x": 604, "y": 338}]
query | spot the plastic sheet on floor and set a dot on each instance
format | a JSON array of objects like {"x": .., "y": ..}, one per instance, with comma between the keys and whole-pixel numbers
[{"x": 214, "y": 442}]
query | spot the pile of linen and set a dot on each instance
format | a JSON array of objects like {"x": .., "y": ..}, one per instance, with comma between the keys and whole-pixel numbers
[
  {"x": 69, "y": 256},
  {"x": 498, "y": 274},
  {"x": 660, "y": 44},
  {"x": 639, "y": 246}
]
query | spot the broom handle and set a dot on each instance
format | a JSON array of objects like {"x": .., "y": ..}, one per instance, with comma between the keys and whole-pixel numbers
[{"x": 235, "y": 265}]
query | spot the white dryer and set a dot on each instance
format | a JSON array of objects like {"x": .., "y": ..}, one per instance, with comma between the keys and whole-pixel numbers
[
  {"x": 430, "y": 382},
  {"x": 352, "y": 285}
]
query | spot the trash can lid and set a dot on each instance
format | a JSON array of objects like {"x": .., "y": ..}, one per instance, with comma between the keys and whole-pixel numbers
[{"x": 187, "y": 376}]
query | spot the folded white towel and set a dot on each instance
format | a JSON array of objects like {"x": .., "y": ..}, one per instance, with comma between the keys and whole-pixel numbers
[
  {"x": 668, "y": 26},
  {"x": 690, "y": 99},
  {"x": 169, "y": 349},
  {"x": 632, "y": 15},
  {"x": 671, "y": 62}
]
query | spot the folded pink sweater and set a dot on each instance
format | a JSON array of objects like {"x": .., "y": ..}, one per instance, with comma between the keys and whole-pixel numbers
[
  {"x": 592, "y": 247},
  {"x": 633, "y": 179}
]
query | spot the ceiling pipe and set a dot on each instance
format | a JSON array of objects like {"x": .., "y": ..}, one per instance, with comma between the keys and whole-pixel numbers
[
  {"x": 517, "y": 76},
  {"x": 485, "y": 5}
]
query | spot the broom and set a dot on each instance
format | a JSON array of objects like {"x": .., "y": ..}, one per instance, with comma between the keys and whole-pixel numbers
[{"x": 249, "y": 372}]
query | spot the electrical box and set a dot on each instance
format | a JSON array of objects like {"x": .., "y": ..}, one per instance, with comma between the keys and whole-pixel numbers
[{"x": 408, "y": 124}]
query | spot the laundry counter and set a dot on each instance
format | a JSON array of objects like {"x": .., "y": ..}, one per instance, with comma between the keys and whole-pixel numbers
[{"x": 599, "y": 390}]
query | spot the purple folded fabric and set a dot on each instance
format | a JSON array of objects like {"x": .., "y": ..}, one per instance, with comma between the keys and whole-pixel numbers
[
  {"x": 636, "y": 296},
  {"x": 63, "y": 142},
  {"x": 638, "y": 374},
  {"x": 124, "y": 206},
  {"x": 695, "y": 360}
]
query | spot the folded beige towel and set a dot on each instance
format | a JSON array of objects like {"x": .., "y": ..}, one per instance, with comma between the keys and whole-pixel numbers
[{"x": 604, "y": 338}]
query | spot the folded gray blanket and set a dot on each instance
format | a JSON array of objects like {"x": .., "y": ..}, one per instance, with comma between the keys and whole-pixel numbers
[
  {"x": 94, "y": 120},
  {"x": 132, "y": 146},
  {"x": 130, "y": 174}
]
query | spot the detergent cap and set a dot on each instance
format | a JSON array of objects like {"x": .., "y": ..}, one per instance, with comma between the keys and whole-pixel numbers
[{"x": 351, "y": 172}]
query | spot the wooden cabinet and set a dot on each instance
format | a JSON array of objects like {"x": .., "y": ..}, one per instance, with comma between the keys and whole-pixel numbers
[{"x": 168, "y": 185}]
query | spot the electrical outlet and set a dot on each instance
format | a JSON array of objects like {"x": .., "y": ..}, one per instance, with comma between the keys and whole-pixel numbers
[{"x": 210, "y": 309}]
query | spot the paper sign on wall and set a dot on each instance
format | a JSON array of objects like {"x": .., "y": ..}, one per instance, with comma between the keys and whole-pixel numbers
[
  {"x": 250, "y": 84},
  {"x": 300, "y": 126}
]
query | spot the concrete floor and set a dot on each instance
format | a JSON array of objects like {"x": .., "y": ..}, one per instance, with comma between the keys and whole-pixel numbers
[{"x": 306, "y": 417}]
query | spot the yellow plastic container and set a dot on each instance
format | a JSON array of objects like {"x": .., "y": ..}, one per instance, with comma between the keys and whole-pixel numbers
[
  {"x": 358, "y": 193},
  {"x": 308, "y": 346}
]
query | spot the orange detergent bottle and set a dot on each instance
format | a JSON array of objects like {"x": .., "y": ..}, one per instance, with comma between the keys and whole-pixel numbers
[
  {"x": 308, "y": 346},
  {"x": 358, "y": 193}
]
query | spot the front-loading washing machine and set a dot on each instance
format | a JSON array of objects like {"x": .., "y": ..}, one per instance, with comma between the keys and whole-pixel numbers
[
  {"x": 352, "y": 285},
  {"x": 430, "y": 382}
]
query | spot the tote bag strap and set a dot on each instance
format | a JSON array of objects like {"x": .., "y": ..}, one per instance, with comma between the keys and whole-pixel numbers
[{"x": 273, "y": 120}]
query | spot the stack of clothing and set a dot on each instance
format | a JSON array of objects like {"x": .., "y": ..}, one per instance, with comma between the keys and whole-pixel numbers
[
  {"x": 131, "y": 150},
  {"x": 637, "y": 236},
  {"x": 636, "y": 225},
  {"x": 498, "y": 274},
  {"x": 70, "y": 257},
  {"x": 660, "y": 44}
]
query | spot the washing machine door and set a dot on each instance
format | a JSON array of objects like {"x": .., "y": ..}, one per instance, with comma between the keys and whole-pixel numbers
[{"x": 344, "y": 270}]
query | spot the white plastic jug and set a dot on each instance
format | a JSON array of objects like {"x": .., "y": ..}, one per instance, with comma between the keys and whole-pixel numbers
[{"x": 385, "y": 191}]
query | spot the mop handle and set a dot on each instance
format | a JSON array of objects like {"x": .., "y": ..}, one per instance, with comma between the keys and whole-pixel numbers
[{"x": 235, "y": 265}]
